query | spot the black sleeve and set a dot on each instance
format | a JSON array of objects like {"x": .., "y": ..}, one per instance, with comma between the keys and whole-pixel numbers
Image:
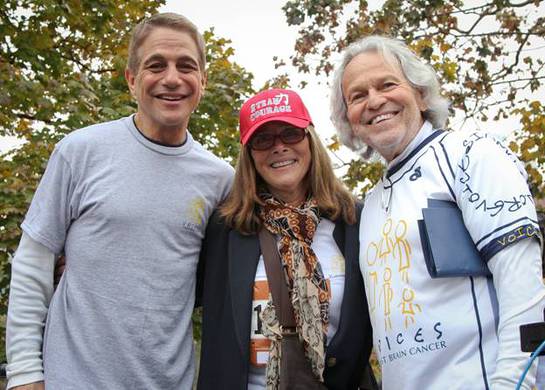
[
  {"x": 213, "y": 229},
  {"x": 367, "y": 381}
]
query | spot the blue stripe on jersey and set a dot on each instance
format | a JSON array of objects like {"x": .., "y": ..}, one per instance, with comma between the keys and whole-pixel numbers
[
  {"x": 505, "y": 226},
  {"x": 495, "y": 304},
  {"x": 410, "y": 169},
  {"x": 481, "y": 355},
  {"x": 446, "y": 157},
  {"x": 506, "y": 239},
  {"x": 443, "y": 173}
]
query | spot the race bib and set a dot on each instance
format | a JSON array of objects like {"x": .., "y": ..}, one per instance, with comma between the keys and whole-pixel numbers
[{"x": 259, "y": 344}]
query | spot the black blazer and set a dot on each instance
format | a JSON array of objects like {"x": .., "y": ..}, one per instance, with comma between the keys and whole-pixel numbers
[{"x": 230, "y": 262}]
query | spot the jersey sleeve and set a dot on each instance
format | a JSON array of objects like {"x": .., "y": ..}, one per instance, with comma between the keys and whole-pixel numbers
[
  {"x": 521, "y": 294},
  {"x": 491, "y": 190},
  {"x": 51, "y": 210}
]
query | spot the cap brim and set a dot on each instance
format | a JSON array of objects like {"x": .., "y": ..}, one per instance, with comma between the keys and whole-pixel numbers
[{"x": 297, "y": 122}]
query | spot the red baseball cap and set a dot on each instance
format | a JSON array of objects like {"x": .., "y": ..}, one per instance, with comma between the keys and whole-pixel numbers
[{"x": 272, "y": 105}]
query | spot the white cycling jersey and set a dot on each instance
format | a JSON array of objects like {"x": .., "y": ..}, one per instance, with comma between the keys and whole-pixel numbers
[{"x": 443, "y": 333}]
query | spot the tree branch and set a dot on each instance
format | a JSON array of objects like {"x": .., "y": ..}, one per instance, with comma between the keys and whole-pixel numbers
[
  {"x": 33, "y": 118},
  {"x": 85, "y": 66},
  {"x": 518, "y": 80}
]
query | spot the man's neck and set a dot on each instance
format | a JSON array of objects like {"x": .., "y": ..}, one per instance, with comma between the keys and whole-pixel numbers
[
  {"x": 420, "y": 136},
  {"x": 174, "y": 136}
]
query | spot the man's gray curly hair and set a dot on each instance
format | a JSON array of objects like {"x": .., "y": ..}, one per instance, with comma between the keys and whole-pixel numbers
[{"x": 420, "y": 76}]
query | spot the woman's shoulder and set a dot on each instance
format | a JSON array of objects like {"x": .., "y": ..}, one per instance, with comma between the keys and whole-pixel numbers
[
  {"x": 359, "y": 208},
  {"x": 217, "y": 226}
]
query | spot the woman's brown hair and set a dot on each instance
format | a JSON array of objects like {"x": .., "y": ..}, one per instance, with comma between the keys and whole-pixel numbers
[{"x": 240, "y": 209}]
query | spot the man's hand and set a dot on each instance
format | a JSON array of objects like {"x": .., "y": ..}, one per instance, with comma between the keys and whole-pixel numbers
[
  {"x": 30, "y": 386},
  {"x": 59, "y": 270}
]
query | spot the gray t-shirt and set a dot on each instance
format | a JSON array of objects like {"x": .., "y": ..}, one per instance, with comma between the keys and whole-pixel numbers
[{"x": 129, "y": 215}]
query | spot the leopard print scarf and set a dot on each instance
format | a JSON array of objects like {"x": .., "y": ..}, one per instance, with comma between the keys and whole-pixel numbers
[{"x": 309, "y": 291}]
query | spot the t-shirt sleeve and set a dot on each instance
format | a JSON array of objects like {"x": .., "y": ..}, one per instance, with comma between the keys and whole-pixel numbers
[
  {"x": 491, "y": 190},
  {"x": 227, "y": 182},
  {"x": 51, "y": 210}
]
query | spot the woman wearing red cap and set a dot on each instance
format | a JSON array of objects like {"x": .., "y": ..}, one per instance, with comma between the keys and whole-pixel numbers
[{"x": 284, "y": 183}]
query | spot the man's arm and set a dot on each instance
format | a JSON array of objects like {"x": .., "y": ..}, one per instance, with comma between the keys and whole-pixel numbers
[
  {"x": 31, "y": 386},
  {"x": 491, "y": 190},
  {"x": 31, "y": 289},
  {"x": 521, "y": 295}
]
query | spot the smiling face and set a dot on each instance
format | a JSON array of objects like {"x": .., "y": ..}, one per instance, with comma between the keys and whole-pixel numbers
[
  {"x": 284, "y": 167},
  {"x": 383, "y": 109},
  {"x": 168, "y": 84}
]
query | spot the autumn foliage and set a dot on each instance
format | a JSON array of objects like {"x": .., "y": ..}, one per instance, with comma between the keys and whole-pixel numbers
[{"x": 488, "y": 54}]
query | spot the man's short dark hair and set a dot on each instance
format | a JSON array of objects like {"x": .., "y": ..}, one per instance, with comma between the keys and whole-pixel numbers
[{"x": 169, "y": 20}]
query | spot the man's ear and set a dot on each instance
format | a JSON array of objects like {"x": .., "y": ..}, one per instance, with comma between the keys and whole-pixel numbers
[
  {"x": 131, "y": 78},
  {"x": 420, "y": 102}
]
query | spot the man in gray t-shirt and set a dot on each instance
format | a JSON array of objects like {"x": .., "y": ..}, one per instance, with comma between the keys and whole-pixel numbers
[{"x": 127, "y": 202}]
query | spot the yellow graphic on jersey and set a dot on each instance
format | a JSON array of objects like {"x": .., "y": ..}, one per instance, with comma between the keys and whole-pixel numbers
[
  {"x": 196, "y": 211},
  {"x": 387, "y": 294},
  {"x": 402, "y": 250},
  {"x": 386, "y": 244},
  {"x": 408, "y": 308},
  {"x": 392, "y": 253}
]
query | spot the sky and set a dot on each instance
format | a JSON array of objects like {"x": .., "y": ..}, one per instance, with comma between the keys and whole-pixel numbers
[{"x": 257, "y": 29}]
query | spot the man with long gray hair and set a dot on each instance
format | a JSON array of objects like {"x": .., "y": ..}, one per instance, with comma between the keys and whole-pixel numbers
[{"x": 435, "y": 329}]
